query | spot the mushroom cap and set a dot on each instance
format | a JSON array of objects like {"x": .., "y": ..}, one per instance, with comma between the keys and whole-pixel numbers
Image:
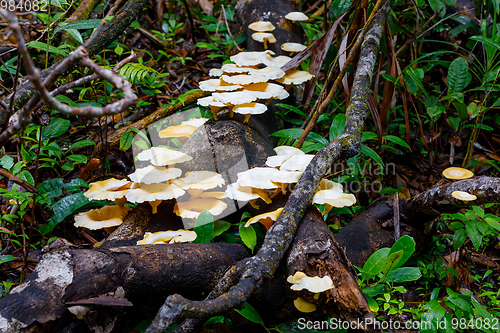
[
  {"x": 296, "y": 77},
  {"x": 285, "y": 177},
  {"x": 264, "y": 90},
  {"x": 457, "y": 173},
  {"x": 163, "y": 156},
  {"x": 278, "y": 61},
  {"x": 296, "y": 16},
  {"x": 209, "y": 101},
  {"x": 288, "y": 150},
  {"x": 460, "y": 195},
  {"x": 283, "y": 95},
  {"x": 177, "y": 131},
  {"x": 244, "y": 79},
  {"x": 297, "y": 162},
  {"x": 245, "y": 193},
  {"x": 213, "y": 194},
  {"x": 261, "y": 26},
  {"x": 276, "y": 160},
  {"x": 196, "y": 122},
  {"x": 260, "y": 36},
  {"x": 304, "y": 306},
  {"x": 154, "y": 174},
  {"x": 272, "y": 73},
  {"x": 327, "y": 184},
  {"x": 293, "y": 47},
  {"x": 233, "y": 68},
  {"x": 266, "y": 219},
  {"x": 250, "y": 108},
  {"x": 215, "y": 72},
  {"x": 334, "y": 198},
  {"x": 153, "y": 192},
  {"x": 104, "y": 217},
  {"x": 314, "y": 284},
  {"x": 192, "y": 208},
  {"x": 218, "y": 85},
  {"x": 234, "y": 98},
  {"x": 105, "y": 189},
  {"x": 295, "y": 278},
  {"x": 201, "y": 180},
  {"x": 256, "y": 178},
  {"x": 250, "y": 58},
  {"x": 169, "y": 236}
]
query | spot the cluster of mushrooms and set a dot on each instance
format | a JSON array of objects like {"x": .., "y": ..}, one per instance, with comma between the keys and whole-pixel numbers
[
  {"x": 455, "y": 173},
  {"x": 240, "y": 85}
]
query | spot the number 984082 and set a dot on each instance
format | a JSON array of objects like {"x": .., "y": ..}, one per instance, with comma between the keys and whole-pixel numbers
[{"x": 24, "y": 5}]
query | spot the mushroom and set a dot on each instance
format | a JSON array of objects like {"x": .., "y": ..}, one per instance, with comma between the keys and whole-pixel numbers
[
  {"x": 304, "y": 306},
  {"x": 283, "y": 178},
  {"x": 215, "y": 72},
  {"x": 163, "y": 156},
  {"x": 457, "y": 173},
  {"x": 169, "y": 237},
  {"x": 213, "y": 194},
  {"x": 196, "y": 181},
  {"x": 251, "y": 58},
  {"x": 283, "y": 153},
  {"x": 264, "y": 90},
  {"x": 109, "y": 189},
  {"x": 245, "y": 193},
  {"x": 272, "y": 73},
  {"x": 249, "y": 109},
  {"x": 460, "y": 195},
  {"x": 196, "y": 122},
  {"x": 333, "y": 196},
  {"x": 293, "y": 47},
  {"x": 218, "y": 85},
  {"x": 296, "y": 16},
  {"x": 104, "y": 217},
  {"x": 314, "y": 284},
  {"x": 264, "y": 37},
  {"x": 214, "y": 105},
  {"x": 297, "y": 162},
  {"x": 295, "y": 77},
  {"x": 154, "y": 174},
  {"x": 278, "y": 61},
  {"x": 192, "y": 208},
  {"x": 234, "y": 98},
  {"x": 261, "y": 26},
  {"x": 178, "y": 131},
  {"x": 154, "y": 194},
  {"x": 266, "y": 219},
  {"x": 256, "y": 178},
  {"x": 295, "y": 278},
  {"x": 235, "y": 69},
  {"x": 244, "y": 79}
]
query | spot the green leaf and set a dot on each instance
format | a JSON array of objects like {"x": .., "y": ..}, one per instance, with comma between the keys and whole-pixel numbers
[
  {"x": 76, "y": 184},
  {"x": 204, "y": 228},
  {"x": 396, "y": 140},
  {"x": 405, "y": 244},
  {"x": 6, "y": 258},
  {"x": 68, "y": 166},
  {"x": 403, "y": 274},
  {"x": 493, "y": 223},
  {"x": 375, "y": 290},
  {"x": 52, "y": 187},
  {"x": 64, "y": 208},
  {"x": 292, "y": 133},
  {"x": 457, "y": 76},
  {"x": 76, "y": 35},
  {"x": 372, "y": 154},
  {"x": 248, "y": 236},
  {"x": 374, "y": 264},
  {"x": 372, "y": 304},
  {"x": 79, "y": 25},
  {"x": 66, "y": 100},
  {"x": 206, "y": 45},
  {"x": 478, "y": 211},
  {"x": 438, "y": 5},
  {"x": 27, "y": 177},
  {"x": 251, "y": 314},
  {"x": 413, "y": 78},
  {"x": 55, "y": 128},
  {"x": 368, "y": 136},
  {"x": 392, "y": 261},
  {"x": 482, "y": 311},
  {"x": 463, "y": 302},
  {"x": 220, "y": 227},
  {"x": 459, "y": 238},
  {"x": 337, "y": 127},
  {"x": 475, "y": 236},
  {"x": 7, "y": 162},
  {"x": 78, "y": 158},
  {"x": 473, "y": 110},
  {"x": 182, "y": 98},
  {"x": 291, "y": 108},
  {"x": 82, "y": 143},
  {"x": 486, "y": 41},
  {"x": 126, "y": 140},
  {"x": 58, "y": 3},
  {"x": 134, "y": 71},
  {"x": 43, "y": 47}
]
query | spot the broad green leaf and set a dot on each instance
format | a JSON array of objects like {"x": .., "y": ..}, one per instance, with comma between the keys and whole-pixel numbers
[
  {"x": 407, "y": 245},
  {"x": 204, "y": 227},
  {"x": 27, "y": 177},
  {"x": 461, "y": 301},
  {"x": 372, "y": 304},
  {"x": 473, "y": 110},
  {"x": 78, "y": 158},
  {"x": 372, "y": 154},
  {"x": 220, "y": 227},
  {"x": 375, "y": 290},
  {"x": 76, "y": 185},
  {"x": 55, "y": 128},
  {"x": 493, "y": 223},
  {"x": 66, "y": 100},
  {"x": 475, "y": 236},
  {"x": 126, "y": 140},
  {"x": 374, "y": 264},
  {"x": 314, "y": 137},
  {"x": 392, "y": 261},
  {"x": 459, "y": 238},
  {"x": 76, "y": 35},
  {"x": 52, "y": 187},
  {"x": 43, "y": 47},
  {"x": 212, "y": 321},
  {"x": 486, "y": 41},
  {"x": 337, "y": 127},
  {"x": 368, "y": 136},
  {"x": 396, "y": 140},
  {"x": 58, "y": 3},
  {"x": 79, "y": 25},
  {"x": 292, "y": 133},
  {"x": 7, "y": 162},
  {"x": 482, "y": 311},
  {"x": 206, "y": 45},
  {"x": 456, "y": 225},
  {"x": 6, "y": 258},
  {"x": 413, "y": 78},
  {"x": 457, "y": 76},
  {"x": 68, "y": 166},
  {"x": 64, "y": 208},
  {"x": 292, "y": 108},
  {"x": 434, "y": 315},
  {"x": 248, "y": 236},
  {"x": 251, "y": 314},
  {"x": 438, "y": 5},
  {"x": 403, "y": 274},
  {"x": 461, "y": 110},
  {"x": 478, "y": 211},
  {"x": 182, "y": 98},
  {"x": 82, "y": 143}
]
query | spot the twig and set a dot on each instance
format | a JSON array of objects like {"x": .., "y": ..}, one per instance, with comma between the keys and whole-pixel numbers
[
  {"x": 18, "y": 181},
  {"x": 397, "y": 227}
]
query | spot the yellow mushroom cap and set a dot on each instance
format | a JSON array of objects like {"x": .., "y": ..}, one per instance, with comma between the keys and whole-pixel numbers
[
  {"x": 105, "y": 189},
  {"x": 154, "y": 174},
  {"x": 272, "y": 73},
  {"x": 457, "y": 173},
  {"x": 215, "y": 72},
  {"x": 170, "y": 237},
  {"x": 250, "y": 108},
  {"x": 304, "y": 306},
  {"x": 218, "y": 85},
  {"x": 297, "y": 162},
  {"x": 266, "y": 219},
  {"x": 261, "y": 36},
  {"x": 296, "y": 16},
  {"x": 460, "y": 195},
  {"x": 201, "y": 180},
  {"x": 234, "y": 98},
  {"x": 256, "y": 178},
  {"x": 327, "y": 184},
  {"x": 245, "y": 193},
  {"x": 250, "y": 58},
  {"x": 278, "y": 61},
  {"x": 288, "y": 150},
  {"x": 295, "y": 278},
  {"x": 293, "y": 47},
  {"x": 196, "y": 122},
  {"x": 177, "y": 131},
  {"x": 296, "y": 77},
  {"x": 334, "y": 198},
  {"x": 213, "y": 194},
  {"x": 313, "y": 284},
  {"x": 104, "y": 217},
  {"x": 244, "y": 79},
  {"x": 192, "y": 208},
  {"x": 285, "y": 177},
  {"x": 209, "y": 101},
  {"x": 163, "y": 156},
  {"x": 235, "y": 69},
  {"x": 154, "y": 192},
  {"x": 264, "y": 90},
  {"x": 261, "y": 26}
]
